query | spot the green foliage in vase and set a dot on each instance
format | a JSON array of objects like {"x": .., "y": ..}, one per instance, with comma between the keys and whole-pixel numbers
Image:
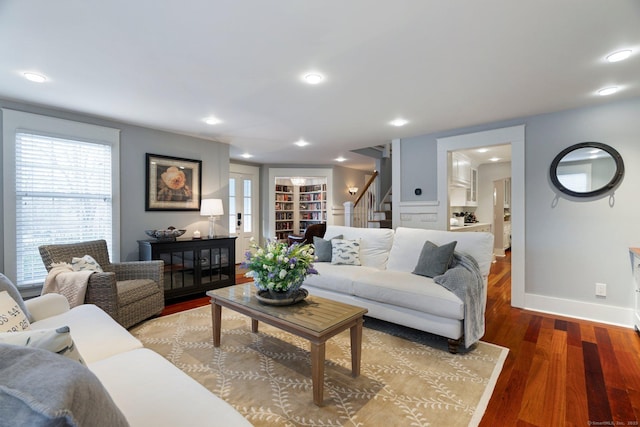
[{"x": 279, "y": 267}]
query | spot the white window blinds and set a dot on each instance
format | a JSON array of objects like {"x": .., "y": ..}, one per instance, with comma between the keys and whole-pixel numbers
[{"x": 63, "y": 192}]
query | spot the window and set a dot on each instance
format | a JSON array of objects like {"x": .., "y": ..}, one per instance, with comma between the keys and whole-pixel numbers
[{"x": 62, "y": 192}]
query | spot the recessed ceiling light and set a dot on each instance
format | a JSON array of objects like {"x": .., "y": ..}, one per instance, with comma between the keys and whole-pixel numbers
[
  {"x": 246, "y": 155},
  {"x": 313, "y": 78},
  {"x": 398, "y": 122},
  {"x": 340, "y": 159},
  {"x": 482, "y": 150},
  {"x": 301, "y": 143},
  {"x": 608, "y": 91},
  {"x": 38, "y": 78},
  {"x": 494, "y": 159},
  {"x": 620, "y": 55},
  {"x": 212, "y": 120}
]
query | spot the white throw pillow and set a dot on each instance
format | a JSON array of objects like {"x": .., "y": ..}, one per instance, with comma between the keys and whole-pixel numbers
[
  {"x": 345, "y": 252},
  {"x": 12, "y": 318},
  {"x": 85, "y": 263},
  {"x": 55, "y": 340}
]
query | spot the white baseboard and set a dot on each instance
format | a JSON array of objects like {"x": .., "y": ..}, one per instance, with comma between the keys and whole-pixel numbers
[{"x": 609, "y": 314}]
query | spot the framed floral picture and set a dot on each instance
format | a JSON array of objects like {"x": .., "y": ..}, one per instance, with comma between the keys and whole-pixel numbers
[{"x": 173, "y": 183}]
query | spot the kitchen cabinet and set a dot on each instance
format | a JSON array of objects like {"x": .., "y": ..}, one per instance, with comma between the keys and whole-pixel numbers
[
  {"x": 507, "y": 193},
  {"x": 635, "y": 268},
  {"x": 478, "y": 226},
  {"x": 192, "y": 266},
  {"x": 472, "y": 191},
  {"x": 460, "y": 170},
  {"x": 506, "y": 235}
]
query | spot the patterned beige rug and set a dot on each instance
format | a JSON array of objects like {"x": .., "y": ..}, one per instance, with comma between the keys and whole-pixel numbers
[{"x": 408, "y": 378}]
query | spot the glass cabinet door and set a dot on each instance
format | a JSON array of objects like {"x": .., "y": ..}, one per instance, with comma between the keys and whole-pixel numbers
[{"x": 214, "y": 265}]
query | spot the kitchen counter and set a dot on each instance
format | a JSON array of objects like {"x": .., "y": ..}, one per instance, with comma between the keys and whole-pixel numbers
[{"x": 476, "y": 226}]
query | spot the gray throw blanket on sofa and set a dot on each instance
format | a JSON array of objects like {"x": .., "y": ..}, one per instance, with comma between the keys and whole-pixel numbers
[{"x": 465, "y": 281}]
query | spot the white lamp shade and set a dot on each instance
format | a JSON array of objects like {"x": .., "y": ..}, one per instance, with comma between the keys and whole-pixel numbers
[{"x": 209, "y": 207}]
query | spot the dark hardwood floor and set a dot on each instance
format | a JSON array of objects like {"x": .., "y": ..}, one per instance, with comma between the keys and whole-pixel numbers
[{"x": 559, "y": 371}]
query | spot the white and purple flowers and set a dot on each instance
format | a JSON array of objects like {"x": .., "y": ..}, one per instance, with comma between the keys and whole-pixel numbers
[{"x": 279, "y": 267}]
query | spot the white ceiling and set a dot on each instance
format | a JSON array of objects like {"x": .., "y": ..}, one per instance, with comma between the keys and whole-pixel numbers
[{"x": 439, "y": 64}]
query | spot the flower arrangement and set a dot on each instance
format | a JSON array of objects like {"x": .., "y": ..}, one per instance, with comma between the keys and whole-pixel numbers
[{"x": 279, "y": 267}]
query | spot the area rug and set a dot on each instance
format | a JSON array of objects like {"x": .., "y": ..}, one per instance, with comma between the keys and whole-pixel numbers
[{"x": 408, "y": 377}]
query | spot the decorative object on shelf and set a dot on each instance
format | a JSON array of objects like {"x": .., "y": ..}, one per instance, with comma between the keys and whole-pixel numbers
[
  {"x": 353, "y": 190},
  {"x": 196, "y": 234},
  {"x": 297, "y": 181},
  {"x": 169, "y": 234},
  {"x": 278, "y": 271},
  {"x": 211, "y": 208},
  {"x": 172, "y": 183}
]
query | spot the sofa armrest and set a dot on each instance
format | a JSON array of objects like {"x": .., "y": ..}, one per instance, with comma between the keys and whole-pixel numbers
[{"x": 47, "y": 305}]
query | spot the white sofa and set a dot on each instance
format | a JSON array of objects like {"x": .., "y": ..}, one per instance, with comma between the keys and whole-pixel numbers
[
  {"x": 148, "y": 389},
  {"x": 385, "y": 285}
]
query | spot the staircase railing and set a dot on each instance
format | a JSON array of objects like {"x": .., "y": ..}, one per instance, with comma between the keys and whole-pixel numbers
[{"x": 359, "y": 213}]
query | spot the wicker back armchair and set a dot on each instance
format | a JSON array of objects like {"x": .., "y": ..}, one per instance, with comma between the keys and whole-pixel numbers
[{"x": 130, "y": 292}]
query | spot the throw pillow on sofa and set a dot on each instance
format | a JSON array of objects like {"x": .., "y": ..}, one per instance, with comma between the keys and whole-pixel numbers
[
  {"x": 345, "y": 252},
  {"x": 323, "y": 248},
  {"x": 7, "y": 285},
  {"x": 434, "y": 260},
  {"x": 40, "y": 388},
  {"x": 12, "y": 318},
  {"x": 55, "y": 340}
]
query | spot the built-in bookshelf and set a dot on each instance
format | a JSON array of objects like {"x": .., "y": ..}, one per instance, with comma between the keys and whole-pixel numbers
[
  {"x": 297, "y": 207},
  {"x": 312, "y": 205},
  {"x": 285, "y": 208}
]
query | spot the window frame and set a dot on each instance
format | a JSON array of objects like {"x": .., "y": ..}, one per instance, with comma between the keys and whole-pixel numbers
[{"x": 18, "y": 121}]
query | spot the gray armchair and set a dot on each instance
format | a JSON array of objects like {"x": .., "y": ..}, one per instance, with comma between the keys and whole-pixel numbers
[{"x": 130, "y": 292}]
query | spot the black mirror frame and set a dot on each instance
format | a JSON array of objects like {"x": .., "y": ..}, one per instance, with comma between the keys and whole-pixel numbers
[{"x": 615, "y": 180}]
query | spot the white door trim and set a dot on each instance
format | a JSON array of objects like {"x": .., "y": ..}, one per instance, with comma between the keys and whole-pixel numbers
[{"x": 514, "y": 135}]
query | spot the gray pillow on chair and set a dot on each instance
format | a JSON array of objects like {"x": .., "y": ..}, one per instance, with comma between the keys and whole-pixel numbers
[
  {"x": 7, "y": 285},
  {"x": 323, "y": 248},
  {"x": 434, "y": 260}
]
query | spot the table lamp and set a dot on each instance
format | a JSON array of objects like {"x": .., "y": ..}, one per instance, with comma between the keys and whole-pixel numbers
[{"x": 211, "y": 208}]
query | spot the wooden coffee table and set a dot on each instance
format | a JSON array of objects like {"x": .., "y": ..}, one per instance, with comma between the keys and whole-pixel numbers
[{"x": 315, "y": 319}]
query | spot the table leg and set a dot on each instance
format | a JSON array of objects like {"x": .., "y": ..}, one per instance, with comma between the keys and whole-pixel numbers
[
  {"x": 216, "y": 320},
  {"x": 356, "y": 347},
  {"x": 317, "y": 371},
  {"x": 254, "y": 325}
]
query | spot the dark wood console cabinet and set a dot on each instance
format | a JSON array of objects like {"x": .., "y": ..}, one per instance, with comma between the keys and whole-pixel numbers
[{"x": 193, "y": 266}]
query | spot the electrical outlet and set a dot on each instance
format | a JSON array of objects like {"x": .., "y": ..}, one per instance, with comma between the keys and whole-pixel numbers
[{"x": 601, "y": 289}]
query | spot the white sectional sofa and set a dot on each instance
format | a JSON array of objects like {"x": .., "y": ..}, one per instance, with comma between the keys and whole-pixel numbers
[
  {"x": 384, "y": 282},
  {"x": 148, "y": 389}
]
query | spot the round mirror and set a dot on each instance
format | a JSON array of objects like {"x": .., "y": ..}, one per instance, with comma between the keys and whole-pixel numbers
[{"x": 587, "y": 169}]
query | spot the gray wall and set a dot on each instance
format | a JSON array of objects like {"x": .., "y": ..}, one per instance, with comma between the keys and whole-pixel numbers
[
  {"x": 570, "y": 244},
  {"x": 135, "y": 141}
]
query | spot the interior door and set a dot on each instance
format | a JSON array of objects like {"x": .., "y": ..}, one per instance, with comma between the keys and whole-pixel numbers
[{"x": 243, "y": 208}]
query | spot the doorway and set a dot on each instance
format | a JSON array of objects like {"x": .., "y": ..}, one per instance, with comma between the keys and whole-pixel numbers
[
  {"x": 514, "y": 136},
  {"x": 243, "y": 206}
]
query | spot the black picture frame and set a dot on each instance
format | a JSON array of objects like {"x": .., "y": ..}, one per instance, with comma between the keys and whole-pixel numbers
[{"x": 172, "y": 183}]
